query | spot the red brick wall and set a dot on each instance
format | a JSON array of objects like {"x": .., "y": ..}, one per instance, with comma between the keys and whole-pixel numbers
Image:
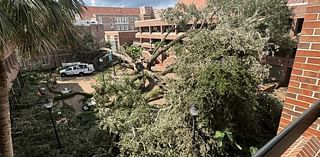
[
  {"x": 304, "y": 86},
  {"x": 198, "y": 3},
  {"x": 127, "y": 37}
]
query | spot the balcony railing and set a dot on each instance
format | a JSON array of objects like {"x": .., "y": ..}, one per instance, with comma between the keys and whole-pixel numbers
[
  {"x": 296, "y": 1},
  {"x": 280, "y": 143}
]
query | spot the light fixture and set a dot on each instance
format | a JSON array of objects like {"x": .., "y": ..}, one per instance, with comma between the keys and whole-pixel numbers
[
  {"x": 49, "y": 104},
  {"x": 193, "y": 110}
]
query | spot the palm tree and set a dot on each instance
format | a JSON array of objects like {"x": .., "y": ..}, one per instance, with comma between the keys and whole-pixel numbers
[{"x": 30, "y": 27}]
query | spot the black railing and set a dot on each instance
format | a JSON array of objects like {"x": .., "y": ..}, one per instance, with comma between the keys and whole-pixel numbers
[{"x": 280, "y": 143}]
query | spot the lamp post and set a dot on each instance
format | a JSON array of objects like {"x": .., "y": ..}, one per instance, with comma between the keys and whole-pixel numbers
[
  {"x": 49, "y": 106},
  {"x": 194, "y": 113}
]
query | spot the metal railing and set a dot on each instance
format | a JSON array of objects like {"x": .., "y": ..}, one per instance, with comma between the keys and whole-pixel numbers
[{"x": 280, "y": 143}]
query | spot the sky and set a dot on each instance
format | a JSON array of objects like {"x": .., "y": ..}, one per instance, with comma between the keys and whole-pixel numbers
[{"x": 131, "y": 3}]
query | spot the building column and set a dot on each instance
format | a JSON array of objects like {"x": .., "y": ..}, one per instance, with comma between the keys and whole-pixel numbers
[{"x": 161, "y": 30}]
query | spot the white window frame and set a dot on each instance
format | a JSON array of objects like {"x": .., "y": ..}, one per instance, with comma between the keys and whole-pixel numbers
[{"x": 45, "y": 61}]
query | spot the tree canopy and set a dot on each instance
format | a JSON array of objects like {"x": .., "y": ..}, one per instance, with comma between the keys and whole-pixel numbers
[{"x": 218, "y": 69}]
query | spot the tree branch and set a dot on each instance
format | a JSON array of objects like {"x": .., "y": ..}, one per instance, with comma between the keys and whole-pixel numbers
[{"x": 164, "y": 49}]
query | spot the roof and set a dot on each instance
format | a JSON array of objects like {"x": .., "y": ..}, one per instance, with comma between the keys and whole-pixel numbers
[{"x": 90, "y": 11}]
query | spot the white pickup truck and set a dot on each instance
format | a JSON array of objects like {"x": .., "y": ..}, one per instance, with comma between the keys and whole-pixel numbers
[{"x": 78, "y": 69}]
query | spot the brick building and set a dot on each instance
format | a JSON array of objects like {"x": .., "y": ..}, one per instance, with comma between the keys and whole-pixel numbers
[
  {"x": 118, "y": 23},
  {"x": 304, "y": 86},
  {"x": 120, "y": 38},
  {"x": 117, "y": 19},
  {"x": 91, "y": 27}
]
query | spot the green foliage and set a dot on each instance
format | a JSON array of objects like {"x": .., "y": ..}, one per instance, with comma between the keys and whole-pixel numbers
[
  {"x": 33, "y": 26},
  {"x": 218, "y": 70},
  {"x": 107, "y": 44},
  {"x": 134, "y": 52},
  {"x": 33, "y": 133},
  {"x": 88, "y": 44}
]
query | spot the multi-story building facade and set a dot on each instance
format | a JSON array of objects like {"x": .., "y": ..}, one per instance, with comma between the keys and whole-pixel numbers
[
  {"x": 118, "y": 23},
  {"x": 92, "y": 27},
  {"x": 120, "y": 38},
  {"x": 113, "y": 18},
  {"x": 152, "y": 31}
]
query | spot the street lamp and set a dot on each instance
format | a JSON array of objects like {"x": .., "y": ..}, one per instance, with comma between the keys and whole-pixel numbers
[
  {"x": 194, "y": 113},
  {"x": 49, "y": 106}
]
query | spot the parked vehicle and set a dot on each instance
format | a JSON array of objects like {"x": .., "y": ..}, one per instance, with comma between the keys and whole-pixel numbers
[
  {"x": 78, "y": 69},
  {"x": 64, "y": 65}
]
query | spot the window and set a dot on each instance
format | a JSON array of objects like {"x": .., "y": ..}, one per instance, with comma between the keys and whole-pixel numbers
[
  {"x": 126, "y": 27},
  {"x": 299, "y": 24},
  {"x": 122, "y": 27},
  {"x": 136, "y": 18},
  {"x": 83, "y": 66},
  {"x": 63, "y": 60},
  {"x": 45, "y": 61},
  {"x": 131, "y": 27},
  {"x": 126, "y": 20},
  {"x": 111, "y": 25},
  {"x": 117, "y": 27},
  {"x": 100, "y": 20}
]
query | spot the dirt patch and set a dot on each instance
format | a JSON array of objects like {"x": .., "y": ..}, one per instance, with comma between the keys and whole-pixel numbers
[
  {"x": 76, "y": 84},
  {"x": 80, "y": 84}
]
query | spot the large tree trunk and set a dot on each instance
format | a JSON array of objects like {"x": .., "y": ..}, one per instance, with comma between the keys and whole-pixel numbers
[
  {"x": 164, "y": 49},
  {"x": 6, "y": 149}
]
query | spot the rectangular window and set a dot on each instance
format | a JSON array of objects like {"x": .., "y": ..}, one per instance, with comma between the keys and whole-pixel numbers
[
  {"x": 299, "y": 24},
  {"x": 126, "y": 27},
  {"x": 45, "y": 61},
  {"x": 100, "y": 20},
  {"x": 117, "y": 27},
  {"x": 118, "y": 19},
  {"x": 63, "y": 60},
  {"x": 111, "y": 25},
  {"x": 122, "y": 27},
  {"x": 131, "y": 27}
]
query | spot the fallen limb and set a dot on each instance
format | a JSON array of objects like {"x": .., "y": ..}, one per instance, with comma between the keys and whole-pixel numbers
[{"x": 164, "y": 49}]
